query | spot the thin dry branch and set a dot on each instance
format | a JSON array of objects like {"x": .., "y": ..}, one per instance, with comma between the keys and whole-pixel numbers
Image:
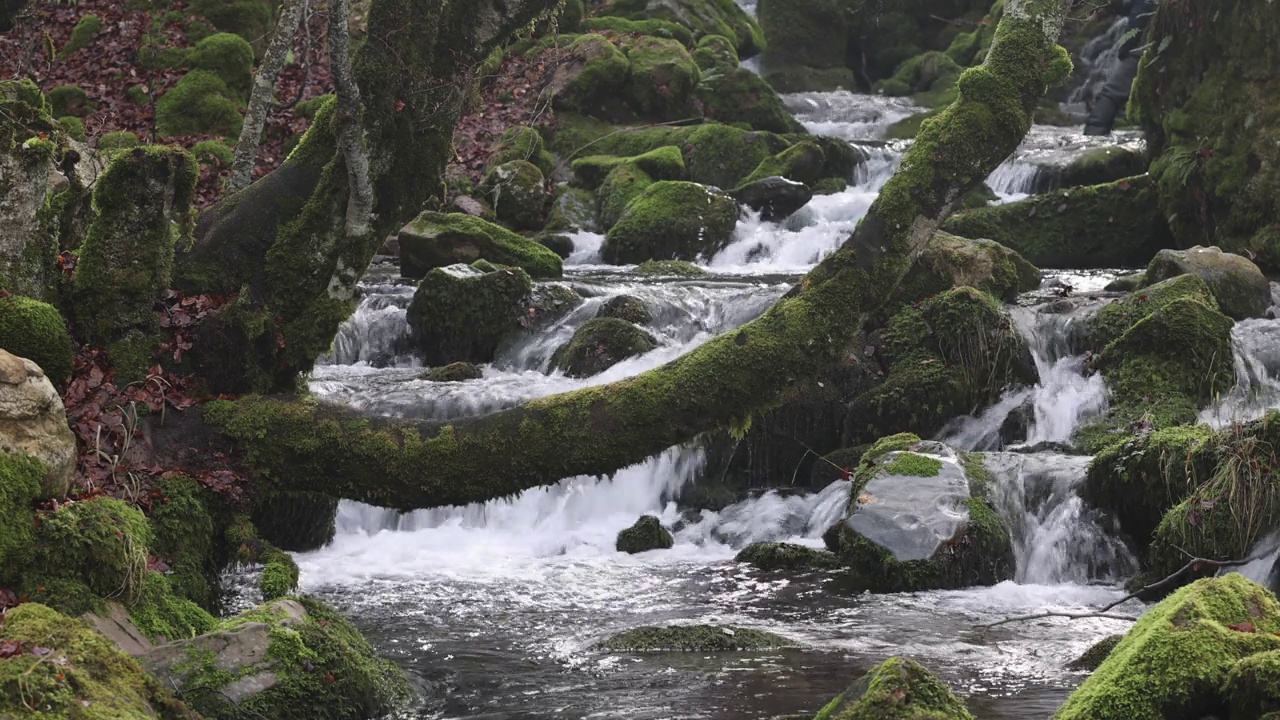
[
  {"x": 350, "y": 131},
  {"x": 264, "y": 84}
]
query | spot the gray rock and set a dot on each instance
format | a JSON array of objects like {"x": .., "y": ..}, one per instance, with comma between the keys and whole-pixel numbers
[
  {"x": 1240, "y": 288},
  {"x": 33, "y": 422},
  {"x": 775, "y": 198},
  {"x": 911, "y": 515}
]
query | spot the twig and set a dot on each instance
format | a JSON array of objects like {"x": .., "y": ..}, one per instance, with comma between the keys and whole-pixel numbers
[
  {"x": 1052, "y": 613},
  {"x": 1193, "y": 564}
]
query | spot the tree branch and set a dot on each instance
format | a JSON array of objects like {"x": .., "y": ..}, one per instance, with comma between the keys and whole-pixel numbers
[
  {"x": 350, "y": 131},
  {"x": 264, "y": 83}
]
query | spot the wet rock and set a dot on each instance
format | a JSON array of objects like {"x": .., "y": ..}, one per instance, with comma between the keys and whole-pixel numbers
[
  {"x": 775, "y": 198},
  {"x": 694, "y": 638},
  {"x": 787, "y": 556},
  {"x": 920, "y": 520},
  {"x": 1180, "y": 657},
  {"x": 33, "y": 422},
  {"x": 517, "y": 191},
  {"x": 600, "y": 344},
  {"x": 549, "y": 302},
  {"x": 1096, "y": 654},
  {"x": 558, "y": 243},
  {"x": 896, "y": 689},
  {"x": 460, "y": 314},
  {"x": 1240, "y": 288},
  {"x": 1126, "y": 283},
  {"x": 454, "y": 372},
  {"x": 672, "y": 221},
  {"x": 669, "y": 268},
  {"x": 1092, "y": 167},
  {"x": 647, "y": 534},
  {"x": 475, "y": 208},
  {"x": 435, "y": 240},
  {"x": 574, "y": 209},
  {"x": 626, "y": 307},
  {"x": 949, "y": 261}
]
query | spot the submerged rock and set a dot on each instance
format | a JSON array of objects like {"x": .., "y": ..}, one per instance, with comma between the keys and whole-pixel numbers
[
  {"x": 453, "y": 372},
  {"x": 433, "y": 240},
  {"x": 1176, "y": 661},
  {"x": 693, "y": 638},
  {"x": 461, "y": 314},
  {"x": 787, "y": 556},
  {"x": 33, "y": 422},
  {"x": 1096, "y": 654},
  {"x": 896, "y": 689},
  {"x": 775, "y": 198},
  {"x": 1240, "y": 288},
  {"x": 600, "y": 344},
  {"x": 626, "y": 307},
  {"x": 670, "y": 268},
  {"x": 647, "y": 534},
  {"x": 672, "y": 221}
]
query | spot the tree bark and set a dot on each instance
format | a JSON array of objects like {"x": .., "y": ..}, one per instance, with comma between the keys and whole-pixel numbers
[
  {"x": 350, "y": 132},
  {"x": 264, "y": 84},
  {"x": 597, "y": 430}
]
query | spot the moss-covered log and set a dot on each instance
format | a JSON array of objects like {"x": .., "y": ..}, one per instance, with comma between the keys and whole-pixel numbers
[{"x": 726, "y": 381}]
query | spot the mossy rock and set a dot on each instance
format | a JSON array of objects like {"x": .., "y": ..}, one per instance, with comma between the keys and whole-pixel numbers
[
  {"x": 787, "y": 556},
  {"x": 1175, "y": 661},
  {"x": 600, "y": 344},
  {"x": 73, "y": 126},
  {"x": 716, "y": 55},
  {"x": 1253, "y": 685},
  {"x": 929, "y": 78},
  {"x": 229, "y": 57},
  {"x": 20, "y": 480},
  {"x": 85, "y": 676},
  {"x": 69, "y": 100},
  {"x": 645, "y": 535},
  {"x": 289, "y": 659},
  {"x": 701, "y": 17},
  {"x": 82, "y": 35},
  {"x": 693, "y": 638},
  {"x": 949, "y": 261},
  {"x": 627, "y": 308},
  {"x": 252, "y": 20},
  {"x": 592, "y": 77},
  {"x": 517, "y": 192},
  {"x": 296, "y": 521},
  {"x": 522, "y": 143},
  {"x": 738, "y": 95},
  {"x": 200, "y": 104},
  {"x": 807, "y": 45},
  {"x": 460, "y": 314},
  {"x": 1093, "y": 167},
  {"x": 213, "y": 152},
  {"x": 624, "y": 26},
  {"x": 1097, "y": 653},
  {"x": 454, "y": 372},
  {"x": 1111, "y": 225},
  {"x": 669, "y": 268},
  {"x": 573, "y": 210},
  {"x": 433, "y": 240},
  {"x": 663, "y": 163},
  {"x": 662, "y": 79},
  {"x": 802, "y": 163},
  {"x": 672, "y": 220},
  {"x": 624, "y": 183},
  {"x": 1240, "y": 288},
  {"x": 896, "y": 689},
  {"x": 36, "y": 331},
  {"x": 186, "y": 538},
  {"x": 117, "y": 140}
]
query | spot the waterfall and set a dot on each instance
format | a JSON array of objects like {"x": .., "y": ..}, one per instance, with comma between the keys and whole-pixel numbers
[{"x": 1255, "y": 346}]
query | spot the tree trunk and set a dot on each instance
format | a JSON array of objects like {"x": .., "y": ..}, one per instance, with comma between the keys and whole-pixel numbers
[
  {"x": 264, "y": 85},
  {"x": 597, "y": 430}
]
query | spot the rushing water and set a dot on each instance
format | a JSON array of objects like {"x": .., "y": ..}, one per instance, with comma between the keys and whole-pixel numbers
[{"x": 493, "y": 608}]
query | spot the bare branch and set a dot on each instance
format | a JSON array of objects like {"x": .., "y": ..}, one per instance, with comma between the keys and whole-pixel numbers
[
  {"x": 349, "y": 130},
  {"x": 264, "y": 84},
  {"x": 1051, "y": 613}
]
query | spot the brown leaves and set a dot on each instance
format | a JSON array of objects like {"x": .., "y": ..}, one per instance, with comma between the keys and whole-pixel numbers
[{"x": 1244, "y": 627}]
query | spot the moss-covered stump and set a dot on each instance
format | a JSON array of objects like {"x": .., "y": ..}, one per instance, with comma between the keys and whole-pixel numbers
[
  {"x": 919, "y": 520},
  {"x": 200, "y": 104},
  {"x": 625, "y": 307},
  {"x": 1165, "y": 352},
  {"x": 460, "y": 314},
  {"x": 454, "y": 372},
  {"x": 592, "y": 76},
  {"x": 662, "y": 79},
  {"x": 522, "y": 143},
  {"x": 1208, "y": 103},
  {"x": 85, "y": 676},
  {"x": 1240, "y": 288},
  {"x": 1174, "y": 663},
  {"x": 896, "y": 689},
  {"x": 672, "y": 220},
  {"x": 296, "y": 521},
  {"x": 1097, "y": 653},
  {"x": 693, "y": 638},
  {"x": 229, "y": 57},
  {"x": 143, "y": 201},
  {"x": 1111, "y": 225},
  {"x": 787, "y": 556},
  {"x": 36, "y": 331},
  {"x": 600, "y": 344},
  {"x": 435, "y": 240},
  {"x": 948, "y": 355},
  {"x": 287, "y": 659},
  {"x": 647, "y": 534},
  {"x": 518, "y": 194},
  {"x": 700, "y": 17}
]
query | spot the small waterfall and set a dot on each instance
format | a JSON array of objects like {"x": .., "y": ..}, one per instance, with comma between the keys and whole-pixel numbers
[
  {"x": 1013, "y": 180},
  {"x": 1096, "y": 61},
  {"x": 772, "y": 517},
  {"x": 847, "y": 115},
  {"x": 377, "y": 333},
  {"x": 1255, "y": 345},
  {"x": 1056, "y": 538}
]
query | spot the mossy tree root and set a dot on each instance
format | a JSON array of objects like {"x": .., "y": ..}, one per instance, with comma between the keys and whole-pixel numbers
[{"x": 598, "y": 430}]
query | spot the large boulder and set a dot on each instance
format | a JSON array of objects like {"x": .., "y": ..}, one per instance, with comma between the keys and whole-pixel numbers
[
  {"x": 1176, "y": 662},
  {"x": 600, "y": 344},
  {"x": 289, "y": 658},
  {"x": 460, "y": 313},
  {"x": 701, "y": 17},
  {"x": 662, "y": 79},
  {"x": 949, "y": 261},
  {"x": 591, "y": 75},
  {"x": 920, "y": 520},
  {"x": 896, "y": 689},
  {"x": 733, "y": 94},
  {"x": 517, "y": 192},
  {"x": 672, "y": 220},
  {"x": 1240, "y": 288},
  {"x": 775, "y": 198},
  {"x": 646, "y": 534},
  {"x": 33, "y": 422},
  {"x": 434, "y": 240}
]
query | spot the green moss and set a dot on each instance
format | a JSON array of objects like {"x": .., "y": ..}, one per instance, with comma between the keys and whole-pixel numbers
[
  {"x": 911, "y": 464},
  {"x": 1253, "y": 685},
  {"x": 86, "y": 677},
  {"x": 646, "y": 534},
  {"x": 1096, "y": 654},
  {"x": 295, "y": 521},
  {"x": 279, "y": 574},
  {"x": 715, "y": 54},
  {"x": 213, "y": 152},
  {"x": 653, "y": 28},
  {"x": 517, "y": 192},
  {"x": 229, "y": 57},
  {"x": 185, "y": 538},
  {"x": 669, "y": 268},
  {"x": 200, "y": 104},
  {"x": 465, "y": 316},
  {"x": 252, "y": 20},
  {"x": 599, "y": 344},
  {"x": 161, "y": 614},
  {"x": 435, "y": 240},
  {"x": 693, "y": 638},
  {"x": 20, "y": 478},
  {"x": 896, "y": 689},
  {"x": 662, "y": 79},
  {"x": 624, "y": 183},
  {"x": 603, "y": 74},
  {"x": 73, "y": 126},
  {"x": 626, "y": 307},
  {"x": 85, "y": 30},
  {"x": 117, "y": 140},
  {"x": 522, "y": 143},
  {"x": 702, "y": 18},
  {"x": 454, "y": 372},
  {"x": 68, "y": 100},
  {"x": 949, "y": 262},
  {"x": 801, "y": 162},
  {"x": 672, "y": 220},
  {"x": 738, "y": 95},
  {"x": 36, "y": 331},
  {"x": 929, "y": 78},
  {"x": 786, "y": 556},
  {"x": 1174, "y": 661},
  {"x": 1111, "y": 225},
  {"x": 663, "y": 163}
]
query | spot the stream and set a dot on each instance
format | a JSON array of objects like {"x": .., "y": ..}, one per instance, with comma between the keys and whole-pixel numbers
[{"x": 492, "y": 609}]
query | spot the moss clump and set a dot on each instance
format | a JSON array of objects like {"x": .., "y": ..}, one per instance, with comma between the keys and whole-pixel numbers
[
  {"x": 73, "y": 126},
  {"x": 1111, "y": 225},
  {"x": 600, "y": 344},
  {"x": 663, "y": 163},
  {"x": 896, "y": 689},
  {"x": 229, "y": 57},
  {"x": 185, "y": 538},
  {"x": 929, "y": 78},
  {"x": 599, "y": 73},
  {"x": 653, "y": 28},
  {"x": 461, "y": 314},
  {"x": 20, "y": 478},
  {"x": 1096, "y": 654},
  {"x": 702, "y": 18},
  {"x": 434, "y": 240},
  {"x": 250, "y": 19},
  {"x": 693, "y": 638},
  {"x": 117, "y": 140},
  {"x": 672, "y": 220},
  {"x": 454, "y": 372},
  {"x": 279, "y": 574},
  {"x": 85, "y": 30},
  {"x": 68, "y": 100},
  {"x": 787, "y": 556},
  {"x": 200, "y": 104},
  {"x": 1174, "y": 661},
  {"x": 518, "y": 194},
  {"x": 522, "y": 143},
  {"x": 715, "y": 54},
  {"x": 669, "y": 268},
  {"x": 662, "y": 79},
  {"x": 627, "y": 308},
  {"x": 647, "y": 534},
  {"x": 913, "y": 465},
  {"x": 949, "y": 261},
  {"x": 213, "y": 152},
  {"x": 36, "y": 331},
  {"x": 85, "y": 677},
  {"x": 1253, "y": 685},
  {"x": 162, "y": 615}
]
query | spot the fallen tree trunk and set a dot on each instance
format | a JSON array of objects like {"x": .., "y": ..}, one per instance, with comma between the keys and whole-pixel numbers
[{"x": 597, "y": 430}]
